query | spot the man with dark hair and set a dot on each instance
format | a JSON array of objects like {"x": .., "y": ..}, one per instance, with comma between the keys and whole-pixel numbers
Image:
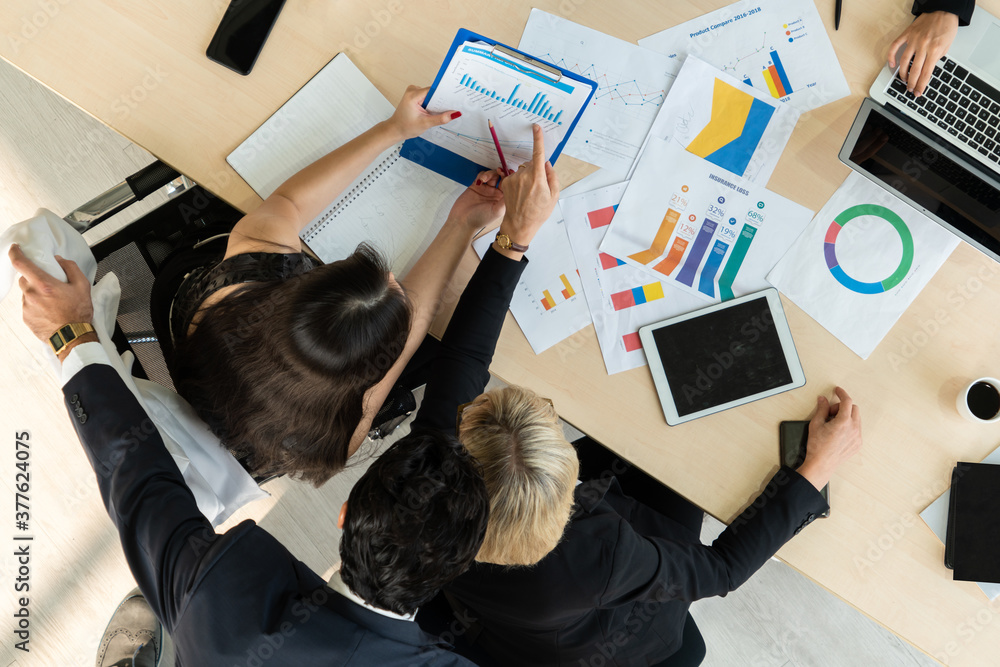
[
  {"x": 416, "y": 520},
  {"x": 424, "y": 488}
]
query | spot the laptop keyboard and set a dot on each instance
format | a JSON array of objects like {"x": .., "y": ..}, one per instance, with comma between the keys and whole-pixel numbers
[{"x": 960, "y": 103}]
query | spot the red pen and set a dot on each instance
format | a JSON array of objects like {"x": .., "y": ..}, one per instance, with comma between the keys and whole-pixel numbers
[{"x": 496, "y": 142}]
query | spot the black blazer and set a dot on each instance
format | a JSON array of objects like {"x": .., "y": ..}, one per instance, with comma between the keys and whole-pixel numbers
[
  {"x": 619, "y": 584},
  {"x": 961, "y": 8},
  {"x": 236, "y": 598}
]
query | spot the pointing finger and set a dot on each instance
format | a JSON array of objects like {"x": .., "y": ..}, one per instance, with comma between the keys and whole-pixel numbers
[{"x": 538, "y": 154}]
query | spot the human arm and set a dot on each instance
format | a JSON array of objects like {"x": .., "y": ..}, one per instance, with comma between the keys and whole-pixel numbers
[
  {"x": 649, "y": 565},
  {"x": 461, "y": 367},
  {"x": 654, "y": 567},
  {"x": 481, "y": 205},
  {"x": 275, "y": 225},
  {"x": 163, "y": 533},
  {"x": 927, "y": 39}
]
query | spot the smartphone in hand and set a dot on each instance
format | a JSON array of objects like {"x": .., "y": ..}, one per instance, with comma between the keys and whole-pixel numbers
[
  {"x": 242, "y": 33},
  {"x": 792, "y": 438}
]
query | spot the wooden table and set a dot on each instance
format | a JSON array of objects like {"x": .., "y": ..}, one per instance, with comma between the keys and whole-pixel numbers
[{"x": 139, "y": 66}]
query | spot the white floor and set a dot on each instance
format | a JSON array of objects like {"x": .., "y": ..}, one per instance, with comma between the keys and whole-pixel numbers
[{"x": 54, "y": 155}]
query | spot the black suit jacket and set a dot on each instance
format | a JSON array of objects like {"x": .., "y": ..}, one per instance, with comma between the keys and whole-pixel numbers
[
  {"x": 961, "y": 8},
  {"x": 237, "y": 598},
  {"x": 618, "y": 586}
]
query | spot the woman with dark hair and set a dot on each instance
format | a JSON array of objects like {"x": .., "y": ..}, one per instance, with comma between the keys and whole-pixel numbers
[{"x": 288, "y": 360}]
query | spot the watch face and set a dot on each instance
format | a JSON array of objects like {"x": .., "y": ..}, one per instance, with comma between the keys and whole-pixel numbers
[{"x": 56, "y": 341}]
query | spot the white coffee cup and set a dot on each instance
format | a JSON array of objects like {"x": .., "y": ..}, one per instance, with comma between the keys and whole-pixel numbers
[{"x": 980, "y": 401}]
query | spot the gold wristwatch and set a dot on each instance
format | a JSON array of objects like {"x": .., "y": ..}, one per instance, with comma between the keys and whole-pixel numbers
[
  {"x": 504, "y": 242},
  {"x": 67, "y": 334}
]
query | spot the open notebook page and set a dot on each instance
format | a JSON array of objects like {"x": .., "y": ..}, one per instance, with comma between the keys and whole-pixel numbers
[{"x": 395, "y": 205}]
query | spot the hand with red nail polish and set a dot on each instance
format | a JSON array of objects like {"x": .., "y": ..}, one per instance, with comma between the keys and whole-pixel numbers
[{"x": 411, "y": 119}]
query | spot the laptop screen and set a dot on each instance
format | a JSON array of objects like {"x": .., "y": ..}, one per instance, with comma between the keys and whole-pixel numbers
[{"x": 886, "y": 148}]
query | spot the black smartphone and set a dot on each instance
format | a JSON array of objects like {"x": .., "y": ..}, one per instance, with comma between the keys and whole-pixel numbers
[
  {"x": 792, "y": 438},
  {"x": 242, "y": 33}
]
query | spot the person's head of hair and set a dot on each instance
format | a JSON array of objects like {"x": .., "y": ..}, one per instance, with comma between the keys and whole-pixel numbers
[
  {"x": 279, "y": 369},
  {"x": 414, "y": 521},
  {"x": 530, "y": 471}
]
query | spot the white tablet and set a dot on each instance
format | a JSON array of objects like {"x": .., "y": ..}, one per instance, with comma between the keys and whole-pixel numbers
[{"x": 722, "y": 356}]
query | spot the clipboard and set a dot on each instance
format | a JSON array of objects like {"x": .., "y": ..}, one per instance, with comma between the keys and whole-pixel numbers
[{"x": 458, "y": 167}]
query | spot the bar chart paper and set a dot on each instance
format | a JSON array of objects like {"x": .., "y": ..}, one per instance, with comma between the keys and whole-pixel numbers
[
  {"x": 485, "y": 85},
  {"x": 697, "y": 228},
  {"x": 621, "y": 297},
  {"x": 779, "y": 47},
  {"x": 548, "y": 302}
]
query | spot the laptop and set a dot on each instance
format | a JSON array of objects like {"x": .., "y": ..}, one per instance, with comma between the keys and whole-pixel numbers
[{"x": 940, "y": 152}]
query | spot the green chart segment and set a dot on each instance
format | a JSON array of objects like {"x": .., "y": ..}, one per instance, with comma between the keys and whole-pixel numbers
[
  {"x": 728, "y": 276},
  {"x": 830, "y": 251}
]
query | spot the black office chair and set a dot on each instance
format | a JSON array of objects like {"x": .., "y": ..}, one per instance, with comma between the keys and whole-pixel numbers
[{"x": 138, "y": 253}]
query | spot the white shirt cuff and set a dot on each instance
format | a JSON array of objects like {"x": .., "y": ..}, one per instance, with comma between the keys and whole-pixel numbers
[{"x": 82, "y": 355}]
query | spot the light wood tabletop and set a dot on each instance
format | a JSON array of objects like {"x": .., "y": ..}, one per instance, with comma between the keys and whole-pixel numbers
[{"x": 139, "y": 66}]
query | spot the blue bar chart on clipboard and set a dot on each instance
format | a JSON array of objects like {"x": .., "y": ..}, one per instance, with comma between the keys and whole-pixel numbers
[{"x": 487, "y": 81}]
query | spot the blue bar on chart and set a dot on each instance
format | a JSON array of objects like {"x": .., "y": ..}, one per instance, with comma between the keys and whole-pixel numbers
[
  {"x": 706, "y": 285},
  {"x": 781, "y": 73},
  {"x": 747, "y": 81},
  {"x": 693, "y": 261},
  {"x": 539, "y": 103}
]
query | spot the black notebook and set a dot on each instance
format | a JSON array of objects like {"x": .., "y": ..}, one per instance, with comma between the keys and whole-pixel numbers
[{"x": 972, "y": 547}]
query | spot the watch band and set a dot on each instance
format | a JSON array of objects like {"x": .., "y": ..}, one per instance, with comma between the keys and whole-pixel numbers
[
  {"x": 504, "y": 242},
  {"x": 67, "y": 333}
]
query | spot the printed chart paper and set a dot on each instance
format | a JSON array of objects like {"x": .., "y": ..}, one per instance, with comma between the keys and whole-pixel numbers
[
  {"x": 780, "y": 47},
  {"x": 723, "y": 121},
  {"x": 548, "y": 303},
  {"x": 632, "y": 83},
  {"x": 861, "y": 263},
  {"x": 485, "y": 85},
  {"x": 700, "y": 229},
  {"x": 621, "y": 297}
]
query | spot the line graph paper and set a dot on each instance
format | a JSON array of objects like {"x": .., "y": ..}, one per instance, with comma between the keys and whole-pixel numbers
[
  {"x": 632, "y": 83},
  {"x": 618, "y": 90}
]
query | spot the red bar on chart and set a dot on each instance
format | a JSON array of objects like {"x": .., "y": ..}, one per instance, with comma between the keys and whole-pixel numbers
[
  {"x": 632, "y": 342},
  {"x": 548, "y": 302},
  {"x": 673, "y": 257},
  {"x": 568, "y": 292},
  {"x": 609, "y": 262},
  {"x": 601, "y": 217}
]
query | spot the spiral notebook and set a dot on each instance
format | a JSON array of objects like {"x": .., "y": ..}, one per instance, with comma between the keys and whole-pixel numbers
[{"x": 396, "y": 205}]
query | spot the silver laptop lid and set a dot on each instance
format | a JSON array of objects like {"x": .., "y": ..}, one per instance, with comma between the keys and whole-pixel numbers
[{"x": 927, "y": 172}]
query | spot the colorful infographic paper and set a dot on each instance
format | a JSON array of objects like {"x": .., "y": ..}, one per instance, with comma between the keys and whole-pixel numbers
[
  {"x": 780, "y": 47},
  {"x": 621, "y": 297},
  {"x": 548, "y": 303},
  {"x": 698, "y": 228},
  {"x": 632, "y": 83},
  {"x": 862, "y": 262},
  {"x": 725, "y": 122}
]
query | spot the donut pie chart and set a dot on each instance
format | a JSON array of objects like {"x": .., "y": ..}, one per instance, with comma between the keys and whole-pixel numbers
[{"x": 830, "y": 249}]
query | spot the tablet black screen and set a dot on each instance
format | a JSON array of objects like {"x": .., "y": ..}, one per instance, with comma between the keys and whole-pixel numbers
[{"x": 722, "y": 356}]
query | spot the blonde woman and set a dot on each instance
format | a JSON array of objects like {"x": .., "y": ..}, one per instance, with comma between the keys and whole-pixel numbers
[{"x": 582, "y": 574}]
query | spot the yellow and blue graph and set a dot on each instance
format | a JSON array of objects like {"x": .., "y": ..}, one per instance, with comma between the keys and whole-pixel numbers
[{"x": 737, "y": 124}]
